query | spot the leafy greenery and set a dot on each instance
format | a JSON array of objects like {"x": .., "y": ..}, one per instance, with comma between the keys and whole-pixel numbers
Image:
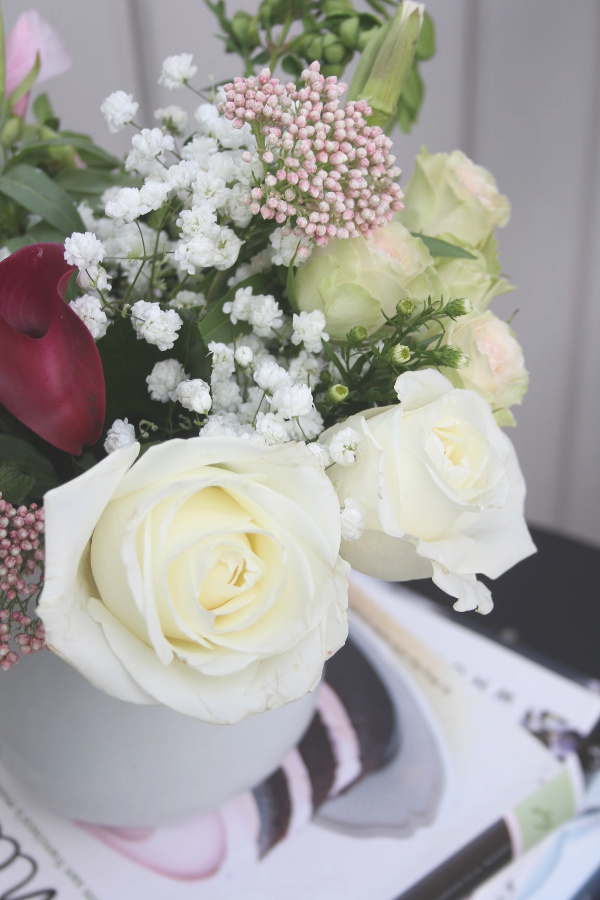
[
  {"x": 368, "y": 368},
  {"x": 293, "y": 33}
]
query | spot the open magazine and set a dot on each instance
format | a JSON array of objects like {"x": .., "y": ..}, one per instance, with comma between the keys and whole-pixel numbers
[{"x": 412, "y": 783}]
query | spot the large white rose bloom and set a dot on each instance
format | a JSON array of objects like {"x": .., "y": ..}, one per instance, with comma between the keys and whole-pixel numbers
[
  {"x": 206, "y": 577},
  {"x": 441, "y": 488}
]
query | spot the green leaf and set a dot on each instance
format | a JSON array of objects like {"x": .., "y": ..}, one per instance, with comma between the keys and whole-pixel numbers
[
  {"x": 216, "y": 325},
  {"x": 293, "y": 65},
  {"x": 413, "y": 90},
  {"x": 14, "y": 484},
  {"x": 190, "y": 348},
  {"x": 34, "y": 190},
  {"x": 291, "y": 287},
  {"x": 42, "y": 109},
  {"x": 93, "y": 182},
  {"x": 127, "y": 362},
  {"x": 30, "y": 462},
  {"x": 26, "y": 84},
  {"x": 89, "y": 152},
  {"x": 426, "y": 43},
  {"x": 437, "y": 247}
]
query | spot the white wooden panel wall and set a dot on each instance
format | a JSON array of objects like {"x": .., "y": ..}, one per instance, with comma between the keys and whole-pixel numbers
[{"x": 515, "y": 85}]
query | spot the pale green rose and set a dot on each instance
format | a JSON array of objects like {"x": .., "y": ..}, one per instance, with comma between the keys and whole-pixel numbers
[
  {"x": 496, "y": 367},
  {"x": 452, "y": 198},
  {"x": 469, "y": 279},
  {"x": 353, "y": 282}
]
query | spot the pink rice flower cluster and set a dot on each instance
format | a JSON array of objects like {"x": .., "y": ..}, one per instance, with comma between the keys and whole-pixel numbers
[
  {"x": 21, "y": 577},
  {"x": 329, "y": 173}
]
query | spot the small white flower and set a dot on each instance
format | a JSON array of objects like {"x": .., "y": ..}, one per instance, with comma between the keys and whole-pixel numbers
[
  {"x": 124, "y": 206},
  {"x": 353, "y": 517},
  {"x": 197, "y": 221},
  {"x": 306, "y": 427},
  {"x": 289, "y": 402},
  {"x": 83, "y": 250},
  {"x": 120, "y": 434},
  {"x": 187, "y": 300},
  {"x": 239, "y": 308},
  {"x": 272, "y": 428},
  {"x": 176, "y": 70},
  {"x": 174, "y": 118},
  {"x": 244, "y": 356},
  {"x": 148, "y": 148},
  {"x": 154, "y": 325},
  {"x": 344, "y": 445},
  {"x": 194, "y": 395},
  {"x": 93, "y": 277},
  {"x": 309, "y": 329},
  {"x": 227, "y": 248},
  {"x": 226, "y": 393},
  {"x": 272, "y": 377},
  {"x": 288, "y": 246},
  {"x": 153, "y": 194},
  {"x": 221, "y": 425},
  {"x": 222, "y": 358},
  {"x": 164, "y": 378},
  {"x": 265, "y": 315},
  {"x": 89, "y": 309},
  {"x": 118, "y": 109},
  {"x": 321, "y": 453},
  {"x": 209, "y": 189}
]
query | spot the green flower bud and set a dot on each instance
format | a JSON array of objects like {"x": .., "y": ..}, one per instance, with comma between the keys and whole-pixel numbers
[
  {"x": 314, "y": 48},
  {"x": 337, "y": 393},
  {"x": 337, "y": 8},
  {"x": 451, "y": 357},
  {"x": 386, "y": 62},
  {"x": 404, "y": 307},
  {"x": 357, "y": 335},
  {"x": 349, "y": 32},
  {"x": 334, "y": 51},
  {"x": 458, "y": 307},
  {"x": 12, "y": 131},
  {"x": 245, "y": 29},
  {"x": 400, "y": 354}
]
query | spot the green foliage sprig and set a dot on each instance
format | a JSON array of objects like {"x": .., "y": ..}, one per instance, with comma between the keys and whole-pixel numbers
[{"x": 294, "y": 33}]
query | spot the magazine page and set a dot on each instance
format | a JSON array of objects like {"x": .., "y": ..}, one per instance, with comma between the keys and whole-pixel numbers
[{"x": 462, "y": 776}]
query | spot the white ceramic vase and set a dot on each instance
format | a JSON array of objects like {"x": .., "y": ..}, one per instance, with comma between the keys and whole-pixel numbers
[{"x": 100, "y": 760}]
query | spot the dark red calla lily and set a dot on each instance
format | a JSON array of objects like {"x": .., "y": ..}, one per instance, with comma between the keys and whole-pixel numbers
[{"x": 51, "y": 376}]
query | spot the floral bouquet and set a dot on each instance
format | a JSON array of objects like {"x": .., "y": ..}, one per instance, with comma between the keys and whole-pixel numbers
[{"x": 244, "y": 362}]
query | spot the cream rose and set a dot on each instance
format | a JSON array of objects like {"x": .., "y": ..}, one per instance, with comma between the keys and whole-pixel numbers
[
  {"x": 453, "y": 198},
  {"x": 354, "y": 282},
  {"x": 441, "y": 489},
  {"x": 205, "y": 577},
  {"x": 496, "y": 368}
]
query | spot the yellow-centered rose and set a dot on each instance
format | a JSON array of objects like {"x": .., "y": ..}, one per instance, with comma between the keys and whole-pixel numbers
[{"x": 205, "y": 577}]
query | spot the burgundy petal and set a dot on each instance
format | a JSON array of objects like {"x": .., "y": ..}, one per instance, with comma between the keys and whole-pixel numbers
[{"x": 51, "y": 376}]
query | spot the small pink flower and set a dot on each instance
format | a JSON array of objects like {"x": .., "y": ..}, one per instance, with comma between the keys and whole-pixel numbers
[{"x": 30, "y": 35}]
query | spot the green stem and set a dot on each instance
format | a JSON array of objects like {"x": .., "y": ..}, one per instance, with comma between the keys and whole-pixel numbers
[
  {"x": 218, "y": 281},
  {"x": 277, "y": 50}
]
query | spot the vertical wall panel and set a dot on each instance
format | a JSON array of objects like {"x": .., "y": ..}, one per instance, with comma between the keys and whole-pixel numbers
[
  {"x": 534, "y": 98},
  {"x": 580, "y": 430}
]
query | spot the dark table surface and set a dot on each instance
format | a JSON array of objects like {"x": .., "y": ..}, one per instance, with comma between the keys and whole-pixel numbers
[{"x": 548, "y": 605}]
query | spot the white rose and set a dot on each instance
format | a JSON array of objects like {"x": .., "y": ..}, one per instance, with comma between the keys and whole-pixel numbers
[
  {"x": 441, "y": 488},
  {"x": 206, "y": 577},
  {"x": 496, "y": 368}
]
